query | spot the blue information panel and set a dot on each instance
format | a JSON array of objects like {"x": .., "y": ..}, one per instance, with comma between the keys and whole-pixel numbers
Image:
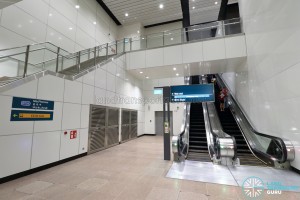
[
  {"x": 193, "y": 93},
  {"x": 26, "y": 103},
  {"x": 25, "y": 115}
]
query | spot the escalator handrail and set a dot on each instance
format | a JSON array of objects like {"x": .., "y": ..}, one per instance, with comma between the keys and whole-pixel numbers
[{"x": 252, "y": 129}]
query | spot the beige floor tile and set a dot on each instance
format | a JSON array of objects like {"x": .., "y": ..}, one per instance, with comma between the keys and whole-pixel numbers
[
  {"x": 52, "y": 191},
  {"x": 13, "y": 195},
  {"x": 191, "y": 196},
  {"x": 92, "y": 184},
  {"x": 99, "y": 196},
  {"x": 168, "y": 183},
  {"x": 223, "y": 191},
  {"x": 162, "y": 194},
  {"x": 113, "y": 188},
  {"x": 193, "y": 186},
  {"x": 32, "y": 197},
  {"x": 72, "y": 194},
  {"x": 34, "y": 187},
  {"x": 134, "y": 192}
]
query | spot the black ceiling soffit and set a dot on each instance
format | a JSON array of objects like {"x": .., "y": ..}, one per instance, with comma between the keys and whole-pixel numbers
[
  {"x": 163, "y": 23},
  {"x": 223, "y": 8},
  {"x": 107, "y": 10},
  {"x": 185, "y": 13}
]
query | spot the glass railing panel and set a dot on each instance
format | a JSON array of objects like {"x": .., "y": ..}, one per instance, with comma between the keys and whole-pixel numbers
[
  {"x": 120, "y": 46},
  {"x": 232, "y": 27},
  {"x": 138, "y": 43},
  {"x": 112, "y": 49},
  {"x": 127, "y": 44},
  {"x": 10, "y": 67},
  {"x": 68, "y": 62},
  {"x": 32, "y": 69},
  {"x": 155, "y": 40},
  {"x": 101, "y": 51},
  {"x": 173, "y": 37}
]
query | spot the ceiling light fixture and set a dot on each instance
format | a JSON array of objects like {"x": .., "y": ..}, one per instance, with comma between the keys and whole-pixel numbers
[
  {"x": 172, "y": 38},
  {"x": 216, "y": 2},
  {"x": 138, "y": 31},
  {"x": 193, "y": 7},
  {"x": 77, "y": 6},
  {"x": 70, "y": 28},
  {"x": 94, "y": 23},
  {"x": 147, "y": 77},
  {"x": 126, "y": 14},
  {"x": 174, "y": 68},
  {"x": 141, "y": 72},
  {"x": 177, "y": 74},
  {"x": 161, "y": 6}
]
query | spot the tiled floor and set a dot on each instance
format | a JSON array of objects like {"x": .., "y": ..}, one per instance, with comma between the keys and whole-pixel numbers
[{"x": 132, "y": 171}]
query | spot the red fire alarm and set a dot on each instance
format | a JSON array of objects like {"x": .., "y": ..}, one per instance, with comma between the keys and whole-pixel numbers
[{"x": 73, "y": 134}]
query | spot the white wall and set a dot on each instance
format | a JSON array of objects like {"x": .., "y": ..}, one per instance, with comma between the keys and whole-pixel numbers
[
  {"x": 33, "y": 21},
  {"x": 154, "y": 103},
  {"x": 162, "y": 28},
  {"x": 33, "y": 144},
  {"x": 269, "y": 89}
]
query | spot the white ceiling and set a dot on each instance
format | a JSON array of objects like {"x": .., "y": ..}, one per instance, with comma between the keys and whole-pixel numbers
[
  {"x": 146, "y": 12},
  {"x": 198, "y": 68},
  {"x": 205, "y": 10}
]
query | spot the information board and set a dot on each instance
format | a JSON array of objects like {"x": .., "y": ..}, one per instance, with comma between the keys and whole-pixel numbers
[
  {"x": 26, "y": 103},
  {"x": 25, "y": 115},
  {"x": 193, "y": 93}
]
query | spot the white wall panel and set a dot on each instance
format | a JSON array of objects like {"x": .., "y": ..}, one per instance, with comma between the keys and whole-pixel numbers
[
  {"x": 85, "y": 111},
  {"x": 69, "y": 147},
  {"x": 39, "y": 10},
  {"x": 18, "y": 159},
  {"x": 65, "y": 8},
  {"x": 51, "y": 87},
  {"x": 45, "y": 148},
  {"x": 71, "y": 116},
  {"x": 192, "y": 52},
  {"x": 73, "y": 91},
  {"x": 26, "y": 90},
  {"x": 55, "y": 124},
  {"x": 18, "y": 21},
  {"x": 100, "y": 78},
  {"x": 172, "y": 55},
  {"x": 89, "y": 78},
  {"x": 235, "y": 47},
  {"x": 100, "y": 96},
  {"x": 83, "y": 143},
  {"x": 10, "y": 128},
  {"x": 88, "y": 94},
  {"x": 154, "y": 57},
  {"x": 138, "y": 59},
  {"x": 214, "y": 49},
  {"x": 111, "y": 82}
]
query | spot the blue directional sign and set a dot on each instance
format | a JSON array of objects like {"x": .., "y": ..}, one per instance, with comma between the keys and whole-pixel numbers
[
  {"x": 26, "y": 115},
  {"x": 193, "y": 93},
  {"x": 26, "y": 103}
]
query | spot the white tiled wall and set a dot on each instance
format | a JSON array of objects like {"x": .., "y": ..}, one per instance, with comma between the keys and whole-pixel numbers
[
  {"x": 33, "y": 21},
  {"x": 154, "y": 103},
  {"x": 71, "y": 112},
  {"x": 269, "y": 89}
]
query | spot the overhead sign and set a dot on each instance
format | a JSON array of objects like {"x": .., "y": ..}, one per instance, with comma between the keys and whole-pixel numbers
[
  {"x": 25, "y": 115},
  {"x": 26, "y": 103},
  {"x": 193, "y": 93},
  {"x": 158, "y": 91}
]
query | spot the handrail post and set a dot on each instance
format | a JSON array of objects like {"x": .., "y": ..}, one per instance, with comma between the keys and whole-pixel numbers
[
  {"x": 163, "y": 38},
  {"x": 26, "y": 61},
  {"x": 78, "y": 61},
  {"x": 124, "y": 42},
  {"x": 116, "y": 47},
  {"x": 89, "y": 56},
  {"x": 106, "y": 51},
  {"x": 57, "y": 59},
  {"x": 95, "y": 49},
  {"x": 223, "y": 28},
  {"x": 130, "y": 40},
  {"x": 146, "y": 38}
]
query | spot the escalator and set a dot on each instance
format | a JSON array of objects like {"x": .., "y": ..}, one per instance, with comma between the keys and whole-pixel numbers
[
  {"x": 231, "y": 127},
  {"x": 198, "y": 149}
]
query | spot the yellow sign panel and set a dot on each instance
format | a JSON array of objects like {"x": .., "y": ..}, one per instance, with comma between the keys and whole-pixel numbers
[{"x": 34, "y": 115}]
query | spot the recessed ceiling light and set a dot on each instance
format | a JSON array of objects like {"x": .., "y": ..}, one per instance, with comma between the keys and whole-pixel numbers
[
  {"x": 177, "y": 74},
  {"x": 126, "y": 79},
  {"x": 141, "y": 72},
  {"x": 117, "y": 74},
  {"x": 94, "y": 23},
  {"x": 174, "y": 68},
  {"x": 216, "y": 2},
  {"x": 126, "y": 14},
  {"x": 143, "y": 38},
  {"x": 161, "y": 6},
  {"x": 70, "y": 28},
  {"x": 138, "y": 31},
  {"x": 172, "y": 38},
  {"x": 147, "y": 77},
  {"x": 193, "y": 7},
  {"x": 50, "y": 14},
  {"x": 77, "y": 6}
]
